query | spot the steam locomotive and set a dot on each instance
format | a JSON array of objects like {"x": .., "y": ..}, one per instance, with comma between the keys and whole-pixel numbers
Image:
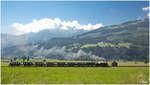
[{"x": 60, "y": 64}]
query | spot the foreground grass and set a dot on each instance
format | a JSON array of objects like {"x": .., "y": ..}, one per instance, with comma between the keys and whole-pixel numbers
[{"x": 74, "y": 75}]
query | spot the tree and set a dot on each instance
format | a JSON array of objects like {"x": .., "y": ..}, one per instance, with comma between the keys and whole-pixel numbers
[
  {"x": 44, "y": 59},
  {"x": 145, "y": 61},
  {"x": 11, "y": 60},
  {"x": 15, "y": 58},
  {"x": 28, "y": 58},
  {"x": 24, "y": 58}
]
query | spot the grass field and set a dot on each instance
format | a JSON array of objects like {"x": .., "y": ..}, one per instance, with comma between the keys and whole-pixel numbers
[{"x": 74, "y": 75}]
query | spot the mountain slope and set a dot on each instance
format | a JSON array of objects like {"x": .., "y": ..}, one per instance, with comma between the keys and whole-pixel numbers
[
  {"x": 126, "y": 32},
  {"x": 127, "y": 41}
]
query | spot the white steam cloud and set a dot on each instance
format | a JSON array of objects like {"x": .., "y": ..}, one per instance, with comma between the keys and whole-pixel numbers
[
  {"x": 60, "y": 53},
  {"x": 50, "y": 24}
]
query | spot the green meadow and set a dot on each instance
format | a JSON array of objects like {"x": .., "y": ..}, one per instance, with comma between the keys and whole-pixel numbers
[{"x": 74, "y": 75}]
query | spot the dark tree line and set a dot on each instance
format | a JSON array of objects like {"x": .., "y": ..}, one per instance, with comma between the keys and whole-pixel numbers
[{"x": 113, "y": 53}]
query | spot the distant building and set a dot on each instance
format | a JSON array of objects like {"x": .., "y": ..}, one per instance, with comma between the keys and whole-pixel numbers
[{"x": 114, "y": 64}]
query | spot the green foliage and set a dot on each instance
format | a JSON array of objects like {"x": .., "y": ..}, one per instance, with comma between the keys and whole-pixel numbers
[
  {"x": 28, "y": 58},
  {"x": 127, "y": 45},
  {"x": 102, "y": 44},
  {"x": 88, "y": 45},
  {"x": 15, "y": 58}
]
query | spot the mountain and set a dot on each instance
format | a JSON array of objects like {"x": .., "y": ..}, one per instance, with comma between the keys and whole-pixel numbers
[
  {"x": 135, "y": 32},
  {"x": 6, "y": 40},
  {"x": 127, "y": 41},
  {"x": 10, "y": 40}
]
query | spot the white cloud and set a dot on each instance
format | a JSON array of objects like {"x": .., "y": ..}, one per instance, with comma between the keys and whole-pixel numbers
[
  {"x": 145, "y": 9},
  {"x": 47, "y": 23}
]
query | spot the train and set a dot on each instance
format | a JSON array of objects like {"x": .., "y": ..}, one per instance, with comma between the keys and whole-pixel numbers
[{"x": 60, "y": 64}]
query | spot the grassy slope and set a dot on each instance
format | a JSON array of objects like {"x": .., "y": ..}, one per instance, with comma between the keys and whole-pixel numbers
[{"x": 77, "y": 75}]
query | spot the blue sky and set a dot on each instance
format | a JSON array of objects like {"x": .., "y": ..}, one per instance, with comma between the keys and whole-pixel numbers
[{"x": 107, "y": 13}]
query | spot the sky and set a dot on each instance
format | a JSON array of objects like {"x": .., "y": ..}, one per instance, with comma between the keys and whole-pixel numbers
[{"x": 34, "y": 16}]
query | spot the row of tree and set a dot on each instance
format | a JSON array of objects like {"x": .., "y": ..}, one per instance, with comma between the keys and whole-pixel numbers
[
  {"x": 20, "y": 57},
  {"x": 24, "y": 58}
]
